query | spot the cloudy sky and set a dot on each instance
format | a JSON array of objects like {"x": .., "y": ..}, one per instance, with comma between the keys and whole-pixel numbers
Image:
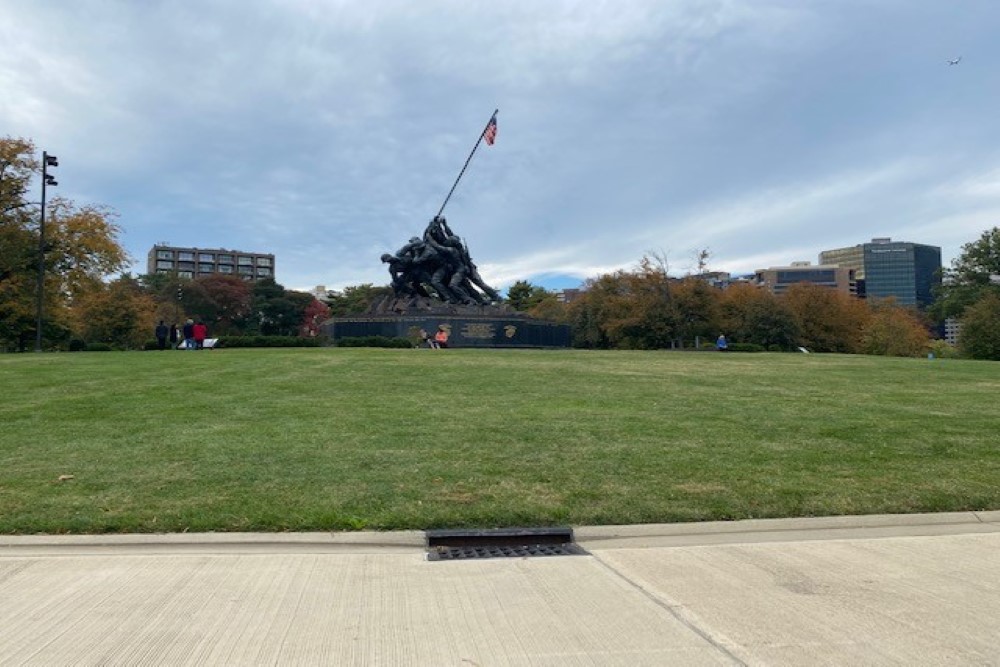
[{"x": 330, "y": 131}]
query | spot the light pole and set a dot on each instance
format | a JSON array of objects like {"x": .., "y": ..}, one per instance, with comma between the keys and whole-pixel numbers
[{"x": 47, "y": 179}]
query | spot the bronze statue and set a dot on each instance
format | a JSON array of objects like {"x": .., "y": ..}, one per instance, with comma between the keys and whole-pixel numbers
[{"x": 438, "y": 266}]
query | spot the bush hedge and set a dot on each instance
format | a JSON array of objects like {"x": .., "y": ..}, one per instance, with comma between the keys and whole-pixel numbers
[
  {"x": 373, "y": 341},
  {"x": 268, "y": 341},
  {"x": 745, "y": 347}
]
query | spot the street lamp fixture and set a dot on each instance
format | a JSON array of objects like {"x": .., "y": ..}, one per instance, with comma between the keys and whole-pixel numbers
[{"x": 47, "y": 180}]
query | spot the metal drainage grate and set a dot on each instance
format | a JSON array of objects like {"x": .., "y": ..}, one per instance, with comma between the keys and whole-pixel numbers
[{"x": 501, "y": 543}]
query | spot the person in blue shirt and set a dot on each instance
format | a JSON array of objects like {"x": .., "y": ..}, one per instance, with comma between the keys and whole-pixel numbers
[{"x": 721, "y": 343}]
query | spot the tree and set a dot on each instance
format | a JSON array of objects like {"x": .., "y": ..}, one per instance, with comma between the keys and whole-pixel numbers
[
  {"x": 119, "y": 313},
  {"x": 276, "y": 311},
  {"x": 974, "y": 273},
  {"x": 979, "y": 337},
  {"x": 827, "y": 320},
  {"x": 589, "y": 314},
  {"x": 18, "y": 243},
  {"x": 696, "y": 306},
  {"x": 17, "y": 166},
  {"x": 224, "y": 303},
  {"x": 18, "y": 287},
  {"x": 626, "y": 309},
  {"x": 83, "y": 247},
  {"x": 354, "y": 299},
  {"x": 81, "y": 250},
  {"x": 749, "y": 314},
  {"x": 895, "y": 332},
  {"x": 551, "y": 309},
  {"x": 315, "y": 314},
  {"x": 523, "y": 296}
]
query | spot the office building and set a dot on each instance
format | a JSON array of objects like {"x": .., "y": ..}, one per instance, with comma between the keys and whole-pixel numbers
[
  {"x": 199, "y": 262},
  {"x": 778, "y": 279},
  {"x": 569, "y": 295},
  {"x": 885, "y": 268}
]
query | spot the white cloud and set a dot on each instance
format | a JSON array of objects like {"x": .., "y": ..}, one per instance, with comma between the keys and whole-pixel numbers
[{"x": 329, "y": 132}]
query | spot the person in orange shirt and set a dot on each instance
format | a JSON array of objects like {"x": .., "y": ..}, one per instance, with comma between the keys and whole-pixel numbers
[{"x": 441, "y": 337}]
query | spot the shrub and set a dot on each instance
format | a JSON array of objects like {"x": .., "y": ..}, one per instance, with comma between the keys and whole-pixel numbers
[
  {"x": 151, "y": 345},
  {"x": 268, "y": 341},
  {"x": 98, "y": 347},
  {"x": 373, "y": 341},
  {"x": 941, "y": 349},
  {"x": 979, "y": 337},
  {"x": 77, "y": 345},
  {"x": 894, "y": 332},
  {"x": 745, "y": 347}
]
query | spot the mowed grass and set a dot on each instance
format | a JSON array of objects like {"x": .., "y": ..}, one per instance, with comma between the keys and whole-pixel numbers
[{"x": 335, "y": 439}]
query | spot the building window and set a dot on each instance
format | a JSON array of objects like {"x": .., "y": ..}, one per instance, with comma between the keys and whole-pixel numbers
[
  {"x": 185, "y": 266},
  {"x": 206, "y": 268},
  {"x": 246, "y": 270},
  {"x": 263, "y": 261},
  {"x": 264, "y": 272},
  {"x": 185, "y": 274},
  {"x": 206, "y": 257},
  {"x": 245, "y": 261},
  {"x": 163, "y": 264},
  {"x": 164, "y": 254},
  {"x": 225, "y": 268},
  {"x": 226, "y": 258},
  {"x": 186, "y": 256}
]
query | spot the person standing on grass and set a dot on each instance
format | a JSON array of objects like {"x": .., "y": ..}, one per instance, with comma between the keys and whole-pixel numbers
[
  {"x": 200, "y": 332},
  {"x": 721, "y": 343},
  {"x": 161, "y": 335},
  {"x": 175, "y": 335},
  {"x": 441, "y": 337},
  {"x": 189, "y": 335}
]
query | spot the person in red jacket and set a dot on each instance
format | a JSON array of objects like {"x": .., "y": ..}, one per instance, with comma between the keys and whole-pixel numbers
[{"x": 200, "y": 333}]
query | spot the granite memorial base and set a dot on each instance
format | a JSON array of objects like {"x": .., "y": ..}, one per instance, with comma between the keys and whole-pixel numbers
[{"x": 463, "y": 330}]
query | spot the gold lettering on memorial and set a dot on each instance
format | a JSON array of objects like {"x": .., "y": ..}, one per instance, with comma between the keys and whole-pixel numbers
[
  {"x": 510, "y": 330},
  {"x": 478, "y": 330}
]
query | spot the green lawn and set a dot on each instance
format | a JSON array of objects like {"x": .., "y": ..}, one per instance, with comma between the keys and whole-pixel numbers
[{"x": 333, "y": 439}]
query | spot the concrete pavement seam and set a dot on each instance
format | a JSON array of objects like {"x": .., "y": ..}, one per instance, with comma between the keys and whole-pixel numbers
[{"x": 673, "y": 611}]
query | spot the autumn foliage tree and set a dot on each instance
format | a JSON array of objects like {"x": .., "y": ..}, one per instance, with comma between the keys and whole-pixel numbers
[
  {"x": 749, "y": 314},
  {"x": 81, "y": 250},
  {"x": 894, "y": 331},
  {"x": 120, "y": 313},
  {"x": 224, "y": 303},
  {"x": 314, "y": 315},
  {"x": 827, "y": 320}
]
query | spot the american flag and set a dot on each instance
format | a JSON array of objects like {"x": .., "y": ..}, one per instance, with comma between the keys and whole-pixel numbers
[{"x": 490, "y": 133}]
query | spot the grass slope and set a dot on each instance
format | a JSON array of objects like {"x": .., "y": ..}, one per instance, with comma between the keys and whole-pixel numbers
[{"x": 332, "y": 439}]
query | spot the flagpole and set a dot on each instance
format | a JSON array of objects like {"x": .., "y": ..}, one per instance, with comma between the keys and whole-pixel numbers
[{"x": 467, "y": 160}]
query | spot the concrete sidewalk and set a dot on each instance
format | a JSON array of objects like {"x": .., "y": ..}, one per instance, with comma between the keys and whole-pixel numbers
[{"x": 912, "y": 589}]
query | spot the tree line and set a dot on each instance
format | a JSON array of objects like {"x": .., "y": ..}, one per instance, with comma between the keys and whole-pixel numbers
[{"x": 645, "y": 308}]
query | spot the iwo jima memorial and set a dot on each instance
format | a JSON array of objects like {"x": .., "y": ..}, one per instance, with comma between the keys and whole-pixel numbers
[{"x": 436, "y": 284}]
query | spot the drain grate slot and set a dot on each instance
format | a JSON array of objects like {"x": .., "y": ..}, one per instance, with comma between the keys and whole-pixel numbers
[{"x": 501, "y": 543}]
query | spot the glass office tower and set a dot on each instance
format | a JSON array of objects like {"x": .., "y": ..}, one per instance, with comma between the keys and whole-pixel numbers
[{"x": 885, "y": 268}]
